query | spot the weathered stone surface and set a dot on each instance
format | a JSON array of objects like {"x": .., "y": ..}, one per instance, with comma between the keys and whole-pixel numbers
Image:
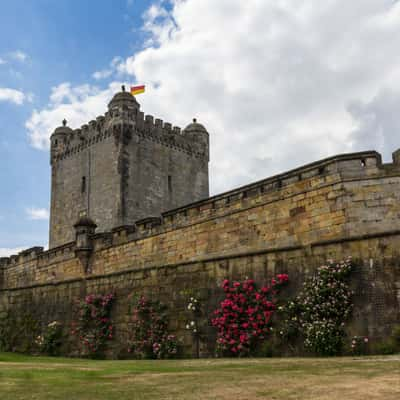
[{"x": 347, "y": 205}]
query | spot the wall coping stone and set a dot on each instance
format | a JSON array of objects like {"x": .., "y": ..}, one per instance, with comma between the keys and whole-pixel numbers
[{"x": 151, "y": 226}]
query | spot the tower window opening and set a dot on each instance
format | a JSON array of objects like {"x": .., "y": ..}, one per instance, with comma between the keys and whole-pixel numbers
[
  {"x": 83, "y": 184},
  {"x": 169, "y": 183}
]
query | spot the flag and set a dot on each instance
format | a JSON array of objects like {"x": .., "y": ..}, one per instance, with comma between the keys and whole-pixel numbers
[{"x": 137, "y": 90}]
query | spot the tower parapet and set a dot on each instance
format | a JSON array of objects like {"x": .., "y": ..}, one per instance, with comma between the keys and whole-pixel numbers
[
  {"x": 199, "y": 136},
  {"x": 124, "y": 106},
  {"x": 125, "y": 110},
  {"x": 59, "y": 140}
]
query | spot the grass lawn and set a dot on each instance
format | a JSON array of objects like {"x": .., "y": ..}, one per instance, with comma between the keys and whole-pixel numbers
[{"x": 24, "y": 377}]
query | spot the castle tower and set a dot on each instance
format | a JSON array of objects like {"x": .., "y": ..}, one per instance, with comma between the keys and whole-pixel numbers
[{"x": 123, "y": 167}]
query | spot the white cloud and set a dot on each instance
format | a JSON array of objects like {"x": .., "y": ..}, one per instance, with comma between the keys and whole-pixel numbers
[
  {"x": 104, "y": 73},
  {"x": 19, "y": 55},
  {"x": 77, "y": 104},
  {"x": 14, "y": 96},
  {"x": 6, "y": 251},
  {"x": 2, "y": 61},
  {"x": 377, "y": 121},
  {"x": 278, "y": 83},
  {"x": 271, "y": 80},
  {"x": 37, "y": 213}
]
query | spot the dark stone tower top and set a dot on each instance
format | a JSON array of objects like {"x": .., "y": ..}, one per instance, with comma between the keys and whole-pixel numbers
[
  {"x": 59, "y": 138},
  {"x": 198, "y": 134},
  {"x": 195, "y": 127},
  {"x": 123, "y": 101},
  {"x": 63, "y": 129}
]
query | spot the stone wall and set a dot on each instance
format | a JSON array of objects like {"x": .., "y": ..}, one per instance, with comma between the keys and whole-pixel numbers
[{"x": 342, "y": 206}]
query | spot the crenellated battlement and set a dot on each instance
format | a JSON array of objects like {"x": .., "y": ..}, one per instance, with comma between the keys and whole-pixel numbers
[
  {"x": 144, "y": 126},
  {"x": 124, "y": 111},
  {"x": 335, "y": 178}
]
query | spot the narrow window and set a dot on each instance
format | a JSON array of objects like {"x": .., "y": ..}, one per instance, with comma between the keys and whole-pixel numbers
[
  {"x": 56, "y": 142},
  {"x": 83, "y": 184},
  {"x": 169, "y": 183}
]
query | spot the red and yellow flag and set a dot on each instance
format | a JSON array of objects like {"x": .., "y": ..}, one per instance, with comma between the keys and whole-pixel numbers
[{"x": 137, "y": 90}]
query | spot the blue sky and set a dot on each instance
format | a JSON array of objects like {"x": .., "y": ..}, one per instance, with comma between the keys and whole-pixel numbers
[
  {"x": 277, "y": 83},
  {"x": 63, "y": 40}
]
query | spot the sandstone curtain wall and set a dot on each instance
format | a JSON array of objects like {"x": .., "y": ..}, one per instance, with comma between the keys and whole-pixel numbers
[{"x": 342, "y": 206}]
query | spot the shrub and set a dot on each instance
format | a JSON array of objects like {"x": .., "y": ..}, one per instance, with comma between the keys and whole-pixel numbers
[
  {"x": 243, "y": 318},
  {"x": 149, "y": 336},
  {"x": 195, "y": 322},
  {"x": 18, "y": 330},
  {"x": 93, "y": 327},
  {"x": 319, "y": 312},
  {"x": 6, "y": 329},
  {"x": 193, "y": 308},
  {"x": 50, "y": 341},
  {"x": 396, "y": 337},
  {"x": 359, "y": 345},
  {"x": 385, "y": 348},
  {"x": 391, "y": 345}
]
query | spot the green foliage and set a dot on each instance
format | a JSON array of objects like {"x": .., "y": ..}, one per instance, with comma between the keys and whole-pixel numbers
[
  {"x": 196, "y": 321},
  {"x": 5, "y": 332},
  {"x": 149, "y": 336},
  {"x": 51, "y": 339},
  {"x": 18, "y": 330},
  {"x": 359, "y": 345},
  {"x": 396, "y": 337},
  {"x": 93, "y": 327},
  {"x": 386, "y": 348},
  {"x": 243, "y": 318},
  {"x": 195, "y": 317},
  {"x": 319, "y": 312},
  {"x": 267, "y": 348},
  {"x": 391, "y": 345}
]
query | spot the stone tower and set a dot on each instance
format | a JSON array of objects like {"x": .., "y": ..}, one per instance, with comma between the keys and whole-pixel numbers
[{"x": 123, "y": 167}]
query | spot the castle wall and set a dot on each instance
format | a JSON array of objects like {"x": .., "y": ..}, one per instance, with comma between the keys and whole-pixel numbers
[{"x": 343, "y": 206}]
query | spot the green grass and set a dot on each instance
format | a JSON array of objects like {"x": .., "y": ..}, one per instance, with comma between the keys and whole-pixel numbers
[{"x": 25, "y": 377}]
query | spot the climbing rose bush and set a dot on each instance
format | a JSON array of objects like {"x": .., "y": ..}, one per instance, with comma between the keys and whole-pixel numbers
[
  {"x": 93, "y": 327},
  {"x": 149, "y": 336},
  {"x": 192, "y": 324},
  {"x": 196, "y": 322},
  {"x": 243, "y": 318},
  {"x": 50, "y": 340},
  {"x": 319, "y": 312},
  {"x": 359, "y": 345}
]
